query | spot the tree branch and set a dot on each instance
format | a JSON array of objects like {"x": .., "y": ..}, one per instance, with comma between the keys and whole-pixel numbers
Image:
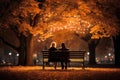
[
  {"x": 7, "y": 43},
  {"x": 15, "y": 30}
]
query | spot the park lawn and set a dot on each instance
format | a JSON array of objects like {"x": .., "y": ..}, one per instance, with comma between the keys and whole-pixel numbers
[{"x": 36, "y": 73}]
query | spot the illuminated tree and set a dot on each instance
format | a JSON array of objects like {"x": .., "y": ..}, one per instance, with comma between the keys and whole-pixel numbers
[
  {"x": 21, "y": 17},
  {"x": 110, "y": 24}
]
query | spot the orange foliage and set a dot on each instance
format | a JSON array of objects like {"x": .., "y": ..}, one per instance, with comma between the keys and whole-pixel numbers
[{"x": 78, "y": 16}]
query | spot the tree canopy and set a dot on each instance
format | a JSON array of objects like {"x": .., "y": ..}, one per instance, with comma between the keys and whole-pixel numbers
[{"x": 96, "y": 17}]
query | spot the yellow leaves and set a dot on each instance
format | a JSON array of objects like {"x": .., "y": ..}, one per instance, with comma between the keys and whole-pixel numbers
[
  {"x": 45, "y": 36},
  {"x": 28, "y": 7},
  {"x": 37, "y": 30},
  {"x": 84, "y": 9},
  {"x": 61, "y": 8},
  {"x": 68, "y": 14},
  {"x": 33, "y": 7},
  {"x": 100, "y": 31},
  {"x": 94, "y": 29},
  {"x": 97, "y": 12},
  {"x": 61, "y": 15},
  {"x": 24, "y": 28}
]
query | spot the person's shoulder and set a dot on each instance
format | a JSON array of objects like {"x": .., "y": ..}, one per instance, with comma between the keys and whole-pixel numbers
[
  {"x": 52, "y": 48},
  {"x": 63, "y": 49}
]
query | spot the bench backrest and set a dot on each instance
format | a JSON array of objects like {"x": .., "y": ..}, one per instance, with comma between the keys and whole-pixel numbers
[{"x": 74, "y": 56}]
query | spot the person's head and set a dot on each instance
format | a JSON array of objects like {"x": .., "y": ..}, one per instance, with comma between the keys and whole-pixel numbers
[
  {"x": 63, "y": 45},
  {"x": 53, "y": 44}
]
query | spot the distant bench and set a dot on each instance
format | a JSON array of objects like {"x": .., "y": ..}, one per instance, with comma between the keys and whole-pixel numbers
[{"x": 74, "y": 57}]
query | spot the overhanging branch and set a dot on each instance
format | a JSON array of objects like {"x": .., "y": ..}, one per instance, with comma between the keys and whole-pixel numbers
[{"x": 7, "y": 43}]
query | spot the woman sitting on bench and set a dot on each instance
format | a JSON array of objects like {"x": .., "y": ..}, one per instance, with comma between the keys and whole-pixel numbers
[{"x": 52, "y": 50}]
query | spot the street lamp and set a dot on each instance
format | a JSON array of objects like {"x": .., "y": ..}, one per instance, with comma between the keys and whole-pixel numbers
[
  {"x": 17, "y": 59},
  {"x": 10, "y": 56},
  {"x": 34, "y": 58},
  {"x": 88, "y": 53},
  {"x": 10, "y": 53},
  {"x": 17, "y": 54},
  {"x": 87, "y": 56},
  {"x": 109, "y": 54}
]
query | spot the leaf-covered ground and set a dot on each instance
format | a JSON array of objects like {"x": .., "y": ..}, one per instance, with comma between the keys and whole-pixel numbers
[{"x": 36, "y": 73}]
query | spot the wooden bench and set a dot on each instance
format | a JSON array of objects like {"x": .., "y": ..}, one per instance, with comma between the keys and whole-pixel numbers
[{"x": 74, "y": 57}]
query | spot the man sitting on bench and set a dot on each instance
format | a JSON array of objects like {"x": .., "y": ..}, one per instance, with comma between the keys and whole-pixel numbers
[{"x": 64, "y": 56}]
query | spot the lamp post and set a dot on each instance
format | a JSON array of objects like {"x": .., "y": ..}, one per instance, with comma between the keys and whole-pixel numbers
[
  {"x": 10, "y": 57},
  {"x": 34, "y": 58},
  {"x": 17, "y": 58},
  {"x": 88, "y": 53}
]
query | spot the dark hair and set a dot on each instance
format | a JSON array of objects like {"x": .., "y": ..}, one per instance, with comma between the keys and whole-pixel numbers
[{"x": 63, "y": 45}]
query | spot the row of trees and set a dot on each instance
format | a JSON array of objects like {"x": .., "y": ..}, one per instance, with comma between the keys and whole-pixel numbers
[{"x": 90, "y": 20}]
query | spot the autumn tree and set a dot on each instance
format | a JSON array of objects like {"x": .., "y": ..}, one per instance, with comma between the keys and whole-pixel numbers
[
  {"x": 21, "y": 17},
  {"x": 110, "y": 24}
]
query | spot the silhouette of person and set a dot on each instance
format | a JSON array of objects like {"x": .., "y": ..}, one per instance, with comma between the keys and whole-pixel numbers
[
  {"x": 65, "y": 56},
  {"x": 52, "y": 50}
]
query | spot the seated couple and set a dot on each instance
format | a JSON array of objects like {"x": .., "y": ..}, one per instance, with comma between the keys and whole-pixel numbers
[{"x": 62, "y": 57}]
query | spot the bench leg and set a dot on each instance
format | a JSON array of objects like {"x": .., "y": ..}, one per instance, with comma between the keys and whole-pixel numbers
[
  {"x": 43, "y": 65},
  {"x": 55, "y": 65},
  {"x": 83, "y": 66}
]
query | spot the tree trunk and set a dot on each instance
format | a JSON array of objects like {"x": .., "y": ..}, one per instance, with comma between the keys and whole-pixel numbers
[
  {"x": 22, "y": 50},
  {"x": 92, "y": 54},
  {"x": 29, "y": 51},
  {"x": 22, "y": 55},
  {"x": 116, "y": 41},
  {"x": 25, "y": 51},
  {"x": 92, "y": 46}
]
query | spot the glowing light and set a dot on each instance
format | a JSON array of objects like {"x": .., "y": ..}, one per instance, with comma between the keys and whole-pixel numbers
[
  {"x": 105, "y": 56},
  {"x": 39, "y": 40},
  {"x": 35, "y": 55},
  {"x": 3, "y": 61},
  {"x": 17, "y": 54},
  {"x": 10, "y": 53},
  {"x": 109, "y": 54},
  {"x": 71, "y": 25},
  {"x": 88, "y": 53}
]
